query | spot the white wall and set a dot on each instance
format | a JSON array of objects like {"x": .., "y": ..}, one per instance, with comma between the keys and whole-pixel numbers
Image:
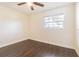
[
  {"x": 13, "y": 26},
  {"x": 77, "y": 28},
  {"x": 62, "y": 37},
  {"x": 77, "y": 22}
]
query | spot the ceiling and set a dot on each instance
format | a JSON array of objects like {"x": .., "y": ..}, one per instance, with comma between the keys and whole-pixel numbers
[{"x": 25, "y": 8}]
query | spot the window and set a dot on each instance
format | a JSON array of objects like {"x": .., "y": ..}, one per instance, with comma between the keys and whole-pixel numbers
[{"x": 56, "y": 21}]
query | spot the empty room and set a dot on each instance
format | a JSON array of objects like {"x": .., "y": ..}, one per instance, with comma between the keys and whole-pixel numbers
[{"x": 39, "y": 29}]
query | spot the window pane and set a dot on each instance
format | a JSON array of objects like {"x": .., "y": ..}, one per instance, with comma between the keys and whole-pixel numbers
[
  {"x": 46, "y": 20},
  {"x": 46, "y": 25},
  {"x": 60, "y": 19},
  {"x": 50, "y": 25},
  {"x": 54, "y": 21},
  {"x": 60, "y": 26},
  {"x": 60, "y": 23},
  {"x": 61, "y": 16}
]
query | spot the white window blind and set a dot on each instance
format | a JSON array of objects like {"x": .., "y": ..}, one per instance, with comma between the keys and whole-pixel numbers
[{"x": 56, "y": 21}]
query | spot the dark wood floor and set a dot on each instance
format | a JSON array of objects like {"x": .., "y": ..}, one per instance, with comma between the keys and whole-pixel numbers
[{"x": 31, "y": 48}]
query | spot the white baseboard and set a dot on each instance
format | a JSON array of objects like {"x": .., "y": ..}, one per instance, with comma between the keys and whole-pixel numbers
[
  {"x": 53, "y": 43},
  {"x": 77, "y": 51},
  {"x": 12, "y": 42}
]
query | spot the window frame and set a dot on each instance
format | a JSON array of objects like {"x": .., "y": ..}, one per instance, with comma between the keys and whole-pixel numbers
[{"x": 56, "y": 15}]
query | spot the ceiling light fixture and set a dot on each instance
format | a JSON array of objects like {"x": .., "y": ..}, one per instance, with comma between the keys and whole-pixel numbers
[{"x": 29, "y": 3}]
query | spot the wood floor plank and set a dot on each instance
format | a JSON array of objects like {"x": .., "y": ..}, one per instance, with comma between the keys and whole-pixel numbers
[{"x": 31, "y": 48}]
